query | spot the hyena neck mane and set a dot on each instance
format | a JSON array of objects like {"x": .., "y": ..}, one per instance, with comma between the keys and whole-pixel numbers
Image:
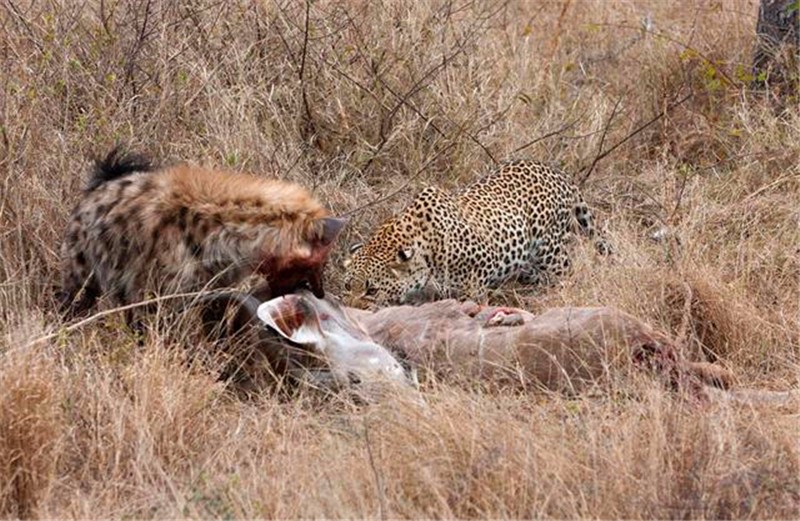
[
  {"x": 116, "y": 165},
  {"x": 247, "y": 202}
]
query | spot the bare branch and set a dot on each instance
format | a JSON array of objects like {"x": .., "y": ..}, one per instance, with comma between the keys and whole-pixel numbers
[
  {"x": 419, "y": 84},
  {"x": 560, "y": 130},
  {"x": 603, "y": 138},
  {"x": 305, "y": 42},
  {"x": 636, "y": 131},
  {"x": 15, "y": 11},
  {"x": 402, "y": 187},
  {"x": 309, "y": 127}
]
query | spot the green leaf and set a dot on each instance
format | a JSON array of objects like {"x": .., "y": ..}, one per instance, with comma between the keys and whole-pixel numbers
[
  {"x": 744, "y": 75},
  {"x": 232, "y": 159}
]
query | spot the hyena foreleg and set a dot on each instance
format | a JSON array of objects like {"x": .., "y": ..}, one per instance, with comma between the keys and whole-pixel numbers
[{"x": 77, "y": 295}]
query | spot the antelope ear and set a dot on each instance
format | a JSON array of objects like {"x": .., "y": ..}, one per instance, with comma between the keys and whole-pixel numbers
[
  {"x": 292, "y": 318},
  {"x": 331, "y": 228}
]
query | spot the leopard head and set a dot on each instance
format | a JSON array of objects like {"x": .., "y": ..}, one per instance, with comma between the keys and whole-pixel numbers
[{"x": 391, "y": 268}]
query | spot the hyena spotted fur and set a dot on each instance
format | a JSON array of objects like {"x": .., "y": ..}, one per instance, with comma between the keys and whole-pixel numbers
[{"x": 140, "y": 229}]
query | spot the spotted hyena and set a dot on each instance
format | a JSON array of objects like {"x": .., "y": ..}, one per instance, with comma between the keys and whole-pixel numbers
[{"x": 141, "y": 229}]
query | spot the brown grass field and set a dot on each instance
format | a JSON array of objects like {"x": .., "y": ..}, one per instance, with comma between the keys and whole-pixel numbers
[{"x": 366, "y": 102}]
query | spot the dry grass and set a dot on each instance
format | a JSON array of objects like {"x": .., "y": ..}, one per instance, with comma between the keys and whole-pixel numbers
[{"x": 369, "y": 100}]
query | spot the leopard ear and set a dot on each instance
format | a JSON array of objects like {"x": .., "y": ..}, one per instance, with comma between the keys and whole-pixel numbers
[
  {"x": 405, "y": 254},
  {"x": 350, "y": 251}
]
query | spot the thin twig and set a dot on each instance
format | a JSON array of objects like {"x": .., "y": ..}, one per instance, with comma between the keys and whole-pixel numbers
[
  {"x": 563, "y": 128},
  {"x": 101, "y": 314},
  {"x": 682, "y": 190},
  {"x": 686, "y": 319},
  {"x": 305, "y": 41},
  {"x": 375, "y": 474},
  {"x": 309, "y": 126},
  {"x": 285, "y": 43}
]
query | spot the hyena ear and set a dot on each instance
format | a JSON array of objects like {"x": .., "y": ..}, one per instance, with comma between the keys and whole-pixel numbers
[
  {"x": 331, "y": 228},
  {"x": 317, "y": 249}
]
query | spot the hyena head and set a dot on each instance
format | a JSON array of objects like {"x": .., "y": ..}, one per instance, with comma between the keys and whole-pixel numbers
[{"x": 305, "y": 262}]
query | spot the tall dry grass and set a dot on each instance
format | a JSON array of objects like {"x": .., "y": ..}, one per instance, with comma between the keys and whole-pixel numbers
[{"x": 363, "y": 100}]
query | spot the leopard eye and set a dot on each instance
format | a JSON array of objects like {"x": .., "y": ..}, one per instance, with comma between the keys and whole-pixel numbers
[
  {"x": 405, "y": 255},
  {"x": 369, "y": 290}
]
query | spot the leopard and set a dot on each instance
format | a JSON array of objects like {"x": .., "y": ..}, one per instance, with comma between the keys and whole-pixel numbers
[{"x": 515, "y": 223}]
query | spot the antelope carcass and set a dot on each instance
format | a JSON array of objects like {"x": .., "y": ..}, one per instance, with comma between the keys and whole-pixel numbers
[{"x": 563, "y": 349}]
